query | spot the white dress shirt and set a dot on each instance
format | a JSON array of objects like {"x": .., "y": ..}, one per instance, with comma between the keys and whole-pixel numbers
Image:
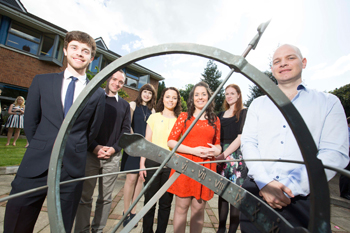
[
  {"x": 79, "y": 85},
  {"x": 267, "y": 135}
]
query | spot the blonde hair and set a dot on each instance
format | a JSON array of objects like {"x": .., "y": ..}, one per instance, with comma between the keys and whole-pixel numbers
[{"x": 16, "y": 101}]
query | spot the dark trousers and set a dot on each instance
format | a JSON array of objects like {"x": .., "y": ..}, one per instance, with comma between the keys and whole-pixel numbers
[
  {"x": 344, "y": 183},
  {"x": 297, "y": 213},
  {"x": 22, "y": 212},
  {"x": 164, "y": 203}
]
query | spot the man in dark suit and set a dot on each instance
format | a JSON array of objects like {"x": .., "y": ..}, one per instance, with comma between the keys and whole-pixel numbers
[
  {"x": 117, "y": 120},
  {"x": 49, "y": 98}
]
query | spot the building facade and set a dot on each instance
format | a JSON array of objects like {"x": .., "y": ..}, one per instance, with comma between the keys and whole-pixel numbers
[{"x": 30, "y": 45}]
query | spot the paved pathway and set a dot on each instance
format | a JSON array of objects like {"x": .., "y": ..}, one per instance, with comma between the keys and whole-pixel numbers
[{"x": 340, "y": 213}]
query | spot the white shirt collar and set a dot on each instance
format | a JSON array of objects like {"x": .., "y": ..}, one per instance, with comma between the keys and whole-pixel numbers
[
  {"x": 68, "y": 74},
  {"x": 116, "y": 96}
]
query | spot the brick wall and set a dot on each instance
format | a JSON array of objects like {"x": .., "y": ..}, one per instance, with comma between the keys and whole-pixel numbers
[
  {"x": 131, "y": 92},
  {"x": 19, "y": 69}
]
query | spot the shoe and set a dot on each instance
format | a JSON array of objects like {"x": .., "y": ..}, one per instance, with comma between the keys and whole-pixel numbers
[
  {"x": 126, "y": 220},
  {"x": 131, "y": 217},
  {"x": 346, "y": 196}
]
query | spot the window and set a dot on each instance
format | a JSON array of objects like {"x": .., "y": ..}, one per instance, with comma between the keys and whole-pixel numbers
[
  {"x": 23, "y": 38},
  {"x": 133, "y": 78},
  {"x": 131, "y": 82},
  {"x": 52, "y": 49},
  {"x": 143, "y": 80},
  {"x": 136, "y": 80},
  {"x": 48, "y": 44},
  {"x": 96, "y": 62},
  {"x": 100, "y": 62},
  {"x": 105, "y": 62},
  {"x": 49, "y": 47},
  {"x": 59, "y": 49}
]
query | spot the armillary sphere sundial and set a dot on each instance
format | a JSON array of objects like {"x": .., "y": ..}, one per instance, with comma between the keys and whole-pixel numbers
[{"x": 262, "y": 215}]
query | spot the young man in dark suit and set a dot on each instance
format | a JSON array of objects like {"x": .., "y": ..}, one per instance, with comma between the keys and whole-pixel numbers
[{"x": 49, "y": 99}]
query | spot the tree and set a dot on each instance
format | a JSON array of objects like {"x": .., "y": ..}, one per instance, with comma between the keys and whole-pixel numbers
[
  {"x": 161, "y": 87},
  {"x": 183, "y": 104},
  {"x": 212, "y": 77},
  {"x": 185, "y": 93},
  {"x": 255, "y": 91},
  {"x": 343, "y": 93},
  {"x": 90, "y": 75}
]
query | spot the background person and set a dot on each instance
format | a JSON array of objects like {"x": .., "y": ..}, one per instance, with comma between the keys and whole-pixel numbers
[
  {"x": 159, "y": 126},
  {"x": 231, "y": 121},
  {"x": 140, "y": 110},
  {"x": 15, "y": 120},
  {"x": 201, "y": 144}
]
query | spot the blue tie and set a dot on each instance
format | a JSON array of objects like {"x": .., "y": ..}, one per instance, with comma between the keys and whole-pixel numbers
[{"x": 68, "y": 101}]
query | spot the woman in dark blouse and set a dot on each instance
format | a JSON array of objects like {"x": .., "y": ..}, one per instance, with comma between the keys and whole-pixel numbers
[
  {"x": 232, "y": 121},
  {"x": 140, "y": 110}
]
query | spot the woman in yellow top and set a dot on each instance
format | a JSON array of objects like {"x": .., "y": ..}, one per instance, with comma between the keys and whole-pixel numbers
[{"x": 159, "y": 126}]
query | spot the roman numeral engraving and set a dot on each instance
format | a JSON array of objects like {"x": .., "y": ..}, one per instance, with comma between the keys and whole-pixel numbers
[
  {"x": 219, "y": 184},
  {"x": 201, "y": 174},
  {"x": 274, "y": 229},
  {"x": 184, "y": 166},
  {"x": 255, "y": 212},
  {"x": 239, "y": 198}
]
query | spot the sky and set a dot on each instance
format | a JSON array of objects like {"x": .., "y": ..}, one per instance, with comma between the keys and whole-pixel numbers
[{"x": 320, "y": 28}]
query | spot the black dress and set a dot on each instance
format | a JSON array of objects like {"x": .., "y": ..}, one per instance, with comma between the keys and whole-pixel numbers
[
  {"x": 138, "y": 124},
  {"x": 236, "y": 172}
]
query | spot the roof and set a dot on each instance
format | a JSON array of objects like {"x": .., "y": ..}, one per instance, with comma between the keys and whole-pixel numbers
[
  {"x": 15, "y": 10},
  {"x": 100, "y": 43},
  {"x": 16, "y": 4}
]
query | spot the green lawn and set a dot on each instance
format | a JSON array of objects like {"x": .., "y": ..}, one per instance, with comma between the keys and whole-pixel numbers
[{"x": 11, "y": 155}]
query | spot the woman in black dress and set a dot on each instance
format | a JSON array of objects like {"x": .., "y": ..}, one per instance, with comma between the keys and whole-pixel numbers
[
  {"x": 232, "y": 121},
  {"x": 140, "y": 110}
]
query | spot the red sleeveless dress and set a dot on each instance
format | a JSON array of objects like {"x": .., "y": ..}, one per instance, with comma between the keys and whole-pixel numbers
[{"x": 201, "y": 134}]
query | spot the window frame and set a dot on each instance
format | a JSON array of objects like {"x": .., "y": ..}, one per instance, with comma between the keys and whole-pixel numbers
[
  {"x": 135, "y": 77},
  {"x": 12, "y": 31},
  {"x": 57, "y": 55}
]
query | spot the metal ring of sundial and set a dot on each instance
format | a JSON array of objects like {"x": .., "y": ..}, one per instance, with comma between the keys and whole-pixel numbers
[{"x": 320, "y": 203}]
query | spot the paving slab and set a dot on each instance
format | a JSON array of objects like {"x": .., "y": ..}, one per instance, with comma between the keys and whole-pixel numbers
[
  {"x": 340, "y": 214},
  {"x": 2, "y": 214}
]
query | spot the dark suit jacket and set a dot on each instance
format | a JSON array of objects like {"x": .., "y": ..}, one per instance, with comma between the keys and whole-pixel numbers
[{"x": 42, "y": 121}]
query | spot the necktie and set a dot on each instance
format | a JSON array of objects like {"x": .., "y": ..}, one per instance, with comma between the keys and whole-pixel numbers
[{"x": 68, "y": 101}]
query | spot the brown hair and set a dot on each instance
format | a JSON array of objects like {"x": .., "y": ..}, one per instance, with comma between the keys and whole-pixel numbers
[
  {"x": 81, "y": 37},
  {"x": 210, "y": 115},
  {"x": 239, "y": 103},
  {"x": 152, "y": 102},
  {"x": 109, "y": 79},
  {"x": 160, "y": 104}
]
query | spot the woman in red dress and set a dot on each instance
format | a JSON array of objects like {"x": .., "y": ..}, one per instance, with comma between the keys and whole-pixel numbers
[{"x": 201, "y": 144}]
